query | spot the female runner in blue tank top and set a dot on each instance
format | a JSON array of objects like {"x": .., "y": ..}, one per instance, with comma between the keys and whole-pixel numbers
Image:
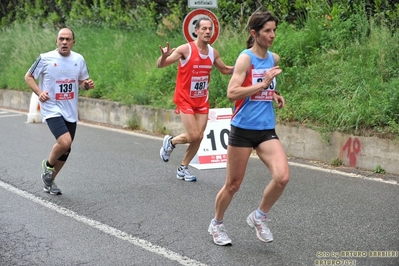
[{"x": 253, "y": 88}]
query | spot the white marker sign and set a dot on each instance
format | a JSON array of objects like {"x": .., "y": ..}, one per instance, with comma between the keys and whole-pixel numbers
[{"x": 212, "y": 152}]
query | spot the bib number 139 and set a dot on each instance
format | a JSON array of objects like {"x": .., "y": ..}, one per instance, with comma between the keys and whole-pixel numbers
[{"x": 66, "y": 87}]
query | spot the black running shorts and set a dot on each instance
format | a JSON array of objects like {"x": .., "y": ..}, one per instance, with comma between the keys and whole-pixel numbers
[
  {"x": 59, "y": 126},
  {"x": 240, "y": 137}
]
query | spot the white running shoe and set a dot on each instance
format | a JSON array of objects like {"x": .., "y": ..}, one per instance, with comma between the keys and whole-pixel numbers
[
  {"x": 166, "y": 149},
  {"x": 184, "y": 173},
  {"x": 219, "y": 234},
  {"x": 262, "y": 231}
]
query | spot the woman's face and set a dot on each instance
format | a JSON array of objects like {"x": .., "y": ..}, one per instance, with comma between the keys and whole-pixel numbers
[{"x": 266, "y": 34}]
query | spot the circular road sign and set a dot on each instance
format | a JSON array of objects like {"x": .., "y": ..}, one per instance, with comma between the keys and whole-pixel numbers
[{"x": 191, "y": 19}]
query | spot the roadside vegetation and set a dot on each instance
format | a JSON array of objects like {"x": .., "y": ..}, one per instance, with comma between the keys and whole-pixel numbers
[{"x": 339, "y": 61}]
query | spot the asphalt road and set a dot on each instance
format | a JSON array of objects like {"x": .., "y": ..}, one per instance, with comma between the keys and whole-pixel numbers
[{"x": 121, "y": 205}]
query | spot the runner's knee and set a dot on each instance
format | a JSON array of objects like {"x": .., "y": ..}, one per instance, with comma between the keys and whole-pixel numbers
[
  {"x": 233, "y": 186},
  {"x": 64, "y": 157},
  {"x": 195, "y": 137},
  {"x": 282, "y": 179}
]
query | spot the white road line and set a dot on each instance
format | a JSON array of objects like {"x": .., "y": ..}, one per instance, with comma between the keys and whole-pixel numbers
[
  {"x": 332, "y": 171},
  {"x": 183, "y": 260},
  {"x": 124, "y": 131},
  {"x": 8, "y": 115},
  {"x": 12, "y": 111}
]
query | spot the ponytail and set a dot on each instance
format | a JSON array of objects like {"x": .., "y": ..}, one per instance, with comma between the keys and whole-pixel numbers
[{"x": 250, "y": 42}]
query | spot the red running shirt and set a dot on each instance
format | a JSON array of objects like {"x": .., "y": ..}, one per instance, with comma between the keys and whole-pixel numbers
[{"x": 193, "y": 77}]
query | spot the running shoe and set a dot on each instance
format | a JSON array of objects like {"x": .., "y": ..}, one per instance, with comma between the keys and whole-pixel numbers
[
  {"x": 47, "y": 173},
  {"x": 219, "y": 234},
  {"x": 166, "y": 149},
  {"x": 53, "y": 189},
  {"x": 262, "y": 231},
  {"x": 184, "y": 173}
]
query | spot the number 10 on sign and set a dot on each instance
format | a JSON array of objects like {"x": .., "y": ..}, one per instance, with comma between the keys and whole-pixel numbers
[{"x": 212, "y": 152}]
